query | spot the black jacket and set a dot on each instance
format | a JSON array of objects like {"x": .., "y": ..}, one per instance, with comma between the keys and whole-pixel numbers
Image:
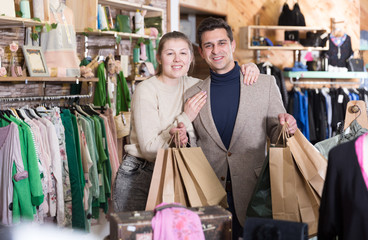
[{"x": 344, "y": 204}]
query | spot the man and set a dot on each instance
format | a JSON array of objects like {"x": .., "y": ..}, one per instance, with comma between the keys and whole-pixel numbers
[{"x": 233, "y": 125}]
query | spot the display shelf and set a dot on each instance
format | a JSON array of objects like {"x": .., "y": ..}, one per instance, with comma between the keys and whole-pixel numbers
[
  {"x": 47, "y": 79},
  {"x": 246, "y": 35},
  {"x": 6, "y": 21},
  {"x": 86, "y": 21},
  {"x": 129, "y": 6},
  {"x": 324, "y": 75},
  {"x": 114, "y": 33}
]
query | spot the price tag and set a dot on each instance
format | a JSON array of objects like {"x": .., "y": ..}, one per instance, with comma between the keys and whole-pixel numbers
[
  {"x": 340, "y": 98},
  {"x": 268, "y": 70}
]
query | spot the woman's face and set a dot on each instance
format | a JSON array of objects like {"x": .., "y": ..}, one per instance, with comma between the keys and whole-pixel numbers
[{"x": 175, "y": 58}]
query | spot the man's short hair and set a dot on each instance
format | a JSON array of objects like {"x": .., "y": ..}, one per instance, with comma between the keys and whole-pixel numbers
[{"x": 211, "y": 23}]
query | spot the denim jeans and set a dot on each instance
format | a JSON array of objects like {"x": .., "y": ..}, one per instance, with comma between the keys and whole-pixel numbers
[{"x": 132, "y": 184}]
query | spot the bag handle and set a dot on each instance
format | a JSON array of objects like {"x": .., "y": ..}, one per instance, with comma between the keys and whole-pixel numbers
[
  {"x": 285, "y": 135},
  {"x": 175, "y": 135}
]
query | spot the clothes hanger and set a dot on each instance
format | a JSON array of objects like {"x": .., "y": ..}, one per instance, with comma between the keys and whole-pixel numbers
[
  {"x": 80, "y": 110},
  {"x": 30, "y": 112},
  {"x": 88, "y": 109},
  {"x": 267, "y": 64},
  {"x": 2, "y": 116},
  {"x": 356, "y": 110}
]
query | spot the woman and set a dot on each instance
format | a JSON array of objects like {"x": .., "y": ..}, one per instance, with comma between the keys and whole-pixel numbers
[{"x": 157, "y": 113}]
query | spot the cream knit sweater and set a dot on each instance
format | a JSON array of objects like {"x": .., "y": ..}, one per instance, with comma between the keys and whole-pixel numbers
[{"x": 156, "y": 108}]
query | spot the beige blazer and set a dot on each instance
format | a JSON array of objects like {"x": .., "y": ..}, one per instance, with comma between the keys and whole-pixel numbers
[{"x": 257, "y": 118}]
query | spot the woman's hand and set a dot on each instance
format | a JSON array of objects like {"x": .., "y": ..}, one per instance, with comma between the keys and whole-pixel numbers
[
  {"x": 181, "y": 139},
  {"x": 194, "y": 104},
  {"x": 250, "y": 72}
]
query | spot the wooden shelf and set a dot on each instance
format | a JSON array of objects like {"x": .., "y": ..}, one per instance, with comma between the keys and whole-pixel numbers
[
  {"x": 89, "y": 17},
  {"x": 129, "y": 6},
  {"x": 47, "y": 79},
  {"x": 6, "y": 21},
  {"x": 246, "y": 35},
  {"x": 288, "y": 48},
  {"x": 114, "y": 33},
  {"x": 288, "y": 28},
  {"x": 323, "y": 74}
]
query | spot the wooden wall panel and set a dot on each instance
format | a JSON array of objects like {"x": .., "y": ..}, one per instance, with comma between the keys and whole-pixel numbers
[
  {"x": 212, "y": 6},
  {"x": 316, "y": 13},
  {"x": 364, "y": 23}
]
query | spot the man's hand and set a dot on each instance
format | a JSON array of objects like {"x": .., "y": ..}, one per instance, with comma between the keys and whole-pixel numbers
[
  {"x": 250, "y": 72},
  {"x": 290, "y": 120},
  {"x": 194, "y": 104},
  {"x": 182, "y": 140}
]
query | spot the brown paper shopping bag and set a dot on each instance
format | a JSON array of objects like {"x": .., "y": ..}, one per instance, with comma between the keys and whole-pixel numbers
[
  {"x": 167, "y": 183},
  {"x": 195, "y": 195},
  {"x": 201, "y": 171},
  {"x": 180, "y": 194},
  {"x": 310, "y": 162},
  {"x": 156, "y": 188},
  {"x": 308, "y": 202},
  {"x": 168, "y": 191},
  {"x": 283, "y": 185}
]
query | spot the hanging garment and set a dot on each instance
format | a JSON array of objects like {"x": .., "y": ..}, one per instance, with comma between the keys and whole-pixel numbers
[
  {"x": 78, "y": 220},
  {"x": 122, "y": 94},
  {"x": 59, "y": 45},
  {"x": 344, "y": 208},
  {"x": 10, "y": 154},
  {"x": 60, "y": 132},
  {"x": 349, "y": 134},
  {"x": 101, "y": 98},
  {"x": 339, "y": 50},
  {"x": 28, "y": 192},
  {"x": 278, "y": 74},
  {"x": 56, "y": 169}
]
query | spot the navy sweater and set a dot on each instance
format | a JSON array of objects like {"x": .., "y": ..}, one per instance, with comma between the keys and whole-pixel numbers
[{"x": 225, "y": 93}]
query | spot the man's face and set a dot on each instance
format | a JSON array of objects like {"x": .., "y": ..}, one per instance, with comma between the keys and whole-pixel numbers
[{"x": 217, "y": 50}]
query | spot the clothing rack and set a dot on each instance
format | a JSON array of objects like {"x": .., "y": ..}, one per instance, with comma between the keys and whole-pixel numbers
[
  {"x": 323, "y": 82},
  {"x": 48, "y": 98}
]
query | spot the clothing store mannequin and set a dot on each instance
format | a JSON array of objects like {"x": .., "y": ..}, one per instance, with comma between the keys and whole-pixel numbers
[
  {"x": 340, "y": 44},
  {"x": 338, "y": 27}
]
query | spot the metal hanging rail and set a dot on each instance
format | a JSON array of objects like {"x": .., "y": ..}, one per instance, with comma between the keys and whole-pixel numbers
[
  {"x": 48, "y": 98},
  {"x": 324, "y": 82}
]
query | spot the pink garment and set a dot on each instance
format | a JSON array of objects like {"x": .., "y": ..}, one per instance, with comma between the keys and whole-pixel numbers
[
  {"x": 10, "y": 153},
  {"x": 362, "y": 156},
  {"x": 113, "y": 153},
  {"x": 86, "y": 164},
  {"x": 176, "y": 222},
  {"x": 57, "y": 198},
  {"x": 42, "y": 164}
]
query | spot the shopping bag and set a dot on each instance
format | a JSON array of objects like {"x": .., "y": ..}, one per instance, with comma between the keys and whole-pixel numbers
[
  {"x": 156, "y": 188},
  {"x": 260, "y": 204},
  {"x": 168, "y": 191},
  {"x": 195, "y": 195},
  {"x": 184, "y": 175},
  {"x": 180, "y": 195},
  {"x": 308, "y": 203},
  {"x": 293, "y": 197},
  {"x": 283, "y": 185},
  {"x": 310, "y": 162},
  {"x": 203, "y": 175}
]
